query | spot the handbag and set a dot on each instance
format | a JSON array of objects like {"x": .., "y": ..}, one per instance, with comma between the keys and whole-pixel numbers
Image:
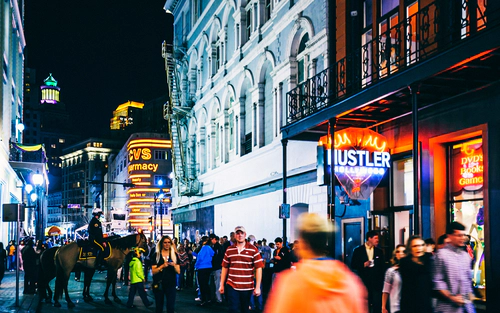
[{"x": 157, "y": 286}]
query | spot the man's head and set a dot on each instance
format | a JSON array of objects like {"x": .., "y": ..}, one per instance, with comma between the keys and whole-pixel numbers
[
  {"x": 240, "y": 234},
  {"x": 442, "y": 241},
  {"x": 372, "y": 238},
  {"x": 97, "y": 212},
  {"x": 213, "y": 239},
  {"x": 456, "y": 234},
  {"x": 251, "y": 239},
  {"x": 279, "y": 242},
  {"x": 314, "y": 232}
]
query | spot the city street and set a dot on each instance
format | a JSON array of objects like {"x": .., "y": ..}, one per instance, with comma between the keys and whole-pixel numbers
[{"x": 184, "y": 304}]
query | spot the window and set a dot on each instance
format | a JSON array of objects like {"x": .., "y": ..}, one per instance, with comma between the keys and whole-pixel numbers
[
  {"x": 466, "y": 201},
  {"x": 160, "y": 155},
  {"x": 61, "y": 140},
  {"x": 249, "y": 23},
  {"x": 53, "y": 146},
  {"x": 267, "y": 10},
  {"x": 302, "y": 64},
  {"x": 402, "y": 181}
]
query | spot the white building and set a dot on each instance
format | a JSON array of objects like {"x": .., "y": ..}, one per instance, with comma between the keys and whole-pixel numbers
[{"x": 234, "y": 63}]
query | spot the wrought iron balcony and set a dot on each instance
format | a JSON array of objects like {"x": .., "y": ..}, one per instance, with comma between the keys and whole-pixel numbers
[{"x": 430, "y": 31}]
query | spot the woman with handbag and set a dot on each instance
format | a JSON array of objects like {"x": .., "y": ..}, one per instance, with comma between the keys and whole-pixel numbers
[{"x": 165, "y": 267}]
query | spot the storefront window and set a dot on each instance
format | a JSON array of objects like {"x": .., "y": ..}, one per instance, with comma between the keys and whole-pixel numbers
[
  {"x": 402, "y": 178},
  {"x": 466, "y": 203}
]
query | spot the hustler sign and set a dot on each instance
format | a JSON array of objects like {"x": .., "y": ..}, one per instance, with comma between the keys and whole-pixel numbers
[{"x": 361, "y": 159}]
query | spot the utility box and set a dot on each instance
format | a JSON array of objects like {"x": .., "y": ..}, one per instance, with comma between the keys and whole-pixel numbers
[{"x": 10, "y": 211}]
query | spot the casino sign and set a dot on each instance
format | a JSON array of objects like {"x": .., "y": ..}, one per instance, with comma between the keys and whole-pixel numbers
[{"x": 361, "y": 159}]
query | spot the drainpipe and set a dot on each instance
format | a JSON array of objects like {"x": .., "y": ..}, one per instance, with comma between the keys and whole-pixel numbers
[
  {"x": 284, "y": 143},
  {"x": 331, "y": 192},
  {"x": 416, "y": 223}
]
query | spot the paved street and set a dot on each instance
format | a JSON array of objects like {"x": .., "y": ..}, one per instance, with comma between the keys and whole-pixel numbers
[{"x": 185, "y": 299}]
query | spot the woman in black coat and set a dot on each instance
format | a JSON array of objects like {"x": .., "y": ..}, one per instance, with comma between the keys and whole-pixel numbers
[
  {"x": 3, "y": 261},
  {"x": 416, "y": 275}
]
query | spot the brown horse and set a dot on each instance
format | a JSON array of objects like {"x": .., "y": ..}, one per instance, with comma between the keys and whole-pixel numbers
[{"x": 67, "y": 257}]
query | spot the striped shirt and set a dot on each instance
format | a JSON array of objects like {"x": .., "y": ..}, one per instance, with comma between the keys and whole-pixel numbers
[{"x": 241, "y": 266}]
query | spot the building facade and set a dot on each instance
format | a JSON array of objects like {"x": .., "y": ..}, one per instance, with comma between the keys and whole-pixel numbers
[
  {"x": 11, "y": 113},
  {"x": 83, "y": 168},
  {"x": 234, "y": 63},
  {"x": 144, "y": 161}
]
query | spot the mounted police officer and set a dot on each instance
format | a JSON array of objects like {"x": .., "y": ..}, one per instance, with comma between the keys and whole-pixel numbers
[{"x": 96, "y": 238}]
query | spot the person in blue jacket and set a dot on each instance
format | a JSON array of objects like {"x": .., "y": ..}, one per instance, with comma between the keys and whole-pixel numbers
[{"x": 204, "y": 268}]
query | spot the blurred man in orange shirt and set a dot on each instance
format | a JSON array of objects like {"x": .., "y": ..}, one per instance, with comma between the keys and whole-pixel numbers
[{"x": 319, "y": 283}]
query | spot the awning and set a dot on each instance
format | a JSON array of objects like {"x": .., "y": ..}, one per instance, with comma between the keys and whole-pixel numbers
[{"x": 52, "y": 231}]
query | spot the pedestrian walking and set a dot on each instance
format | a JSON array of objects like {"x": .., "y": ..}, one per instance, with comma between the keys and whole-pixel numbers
[
  {"x": 368, "y": 262},
  {"x": 184, "y": 263},
  {"x": 416, "y": 275},
  {"x": 203, "y": 268},
  {"x": 137, "y": 281},
  {"x": 216, "y": 268},
  {"x": 452, "y": 278},
  {"x": 30, "y": 267},
  {"x": 392, "y": 282},
  {"x": 242, "y": 263},
  {"x": 165, "y": 267},
  {"x": 319, "y": 283},
  {"x": 11, "y": 252},
  {"x": 3, "y": 261}
]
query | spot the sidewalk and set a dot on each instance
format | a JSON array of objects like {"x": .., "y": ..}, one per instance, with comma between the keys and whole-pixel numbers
[{"x": 27, "y": 303}]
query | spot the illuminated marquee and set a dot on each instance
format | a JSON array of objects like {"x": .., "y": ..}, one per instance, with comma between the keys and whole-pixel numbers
[
  {"x": 153, "y": 167},
  {"x": 361, "y": 158}
]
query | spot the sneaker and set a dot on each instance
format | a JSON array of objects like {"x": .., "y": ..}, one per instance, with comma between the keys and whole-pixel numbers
[{"x": 197, "y": 299}]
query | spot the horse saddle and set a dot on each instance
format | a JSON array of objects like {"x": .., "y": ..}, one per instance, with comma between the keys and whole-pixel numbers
[{"x": 90, "y": 252}]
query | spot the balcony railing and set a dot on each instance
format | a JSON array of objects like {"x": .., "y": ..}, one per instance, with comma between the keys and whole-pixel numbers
[{"x": 433, "y": 29}]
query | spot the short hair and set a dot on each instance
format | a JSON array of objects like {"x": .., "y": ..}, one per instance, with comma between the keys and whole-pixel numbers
[
  {"x": 371, "y": 234},
  {"x": 259, "y": 242},
  {"x": 278, "y": 239},
  {"x": 441, "y": 239},
  {"x": 454, "y": 226},
  {"x": 429, "y": 241},
  {"x": 225, "y": 237}
]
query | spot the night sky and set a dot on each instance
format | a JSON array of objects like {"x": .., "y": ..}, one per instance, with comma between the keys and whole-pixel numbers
[{"x": 101, "y": 52}]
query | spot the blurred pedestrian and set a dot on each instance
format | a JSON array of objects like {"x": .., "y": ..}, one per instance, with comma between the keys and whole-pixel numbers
[
  {"x": 442, "y": 241},
  {"x": 368, "y": 262},
  {"x": 452, "y": 273},
  {"x": 242, "y": 263},
  {"x": 319, "y": 283},
  {"x": 184, "y": 263},
  {"x": 19, "y": 252},
  {"x": 430, "y": 245},
  {"x": 165, "y": 267},
  {"x": 30, "y": 267},
  {"x": 11, "y": 252},
  {"x": 281, "y": 257},
  {"x": 137, "y": 281},
  {"x": 416, "y": 274},
  {"x": 3, "y": 261},
  {"x": 392, "y": 282}
]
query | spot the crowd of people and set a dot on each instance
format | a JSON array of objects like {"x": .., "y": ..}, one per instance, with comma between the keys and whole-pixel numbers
[{"x": 245, "y": 274}]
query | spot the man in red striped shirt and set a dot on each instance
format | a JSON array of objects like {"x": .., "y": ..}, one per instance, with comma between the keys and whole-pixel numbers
[{"x": 238, "y": 267}]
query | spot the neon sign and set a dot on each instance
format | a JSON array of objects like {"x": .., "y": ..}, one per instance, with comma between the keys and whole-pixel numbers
[
  {"x": 361, "y": 158},
  {"x": 139, "y": 154},
  {"x": 468, "y": 166},
  {"x": 143, "y": 167}
]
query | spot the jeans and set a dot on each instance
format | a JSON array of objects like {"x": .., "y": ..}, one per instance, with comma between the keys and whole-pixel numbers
[
  {"x": 134, "y": 288},
  {"x": 259, "y": 301},
  {"x": 238, "y": 301},
  {"x": 181, "y": 280},
  {"x": 215, "y": 278},
  {"x": 169, "y": 293}
]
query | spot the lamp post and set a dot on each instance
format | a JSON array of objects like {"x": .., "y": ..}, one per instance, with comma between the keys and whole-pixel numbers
[{"x": 37, "y": 180}]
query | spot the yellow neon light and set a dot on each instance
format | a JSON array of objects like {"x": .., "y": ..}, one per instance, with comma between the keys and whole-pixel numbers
[
  {"x": 140, "y": 214},
  {"x": 373, "y": 142},
  {"x": 141, "y": 200},
  {"x": 145, "y": 190},
  {"x": 139, "y": 176},
  {"x": 139, "y": 206},
  {"x": 150, "y": 146},
  {"x": 164, "y": 141}
]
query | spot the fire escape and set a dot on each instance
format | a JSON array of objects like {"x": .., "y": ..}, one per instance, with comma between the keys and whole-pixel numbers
[{"x": 177, "y": 115}]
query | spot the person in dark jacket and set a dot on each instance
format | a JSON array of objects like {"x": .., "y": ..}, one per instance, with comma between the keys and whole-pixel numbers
[
  {"x": 368, "y": 262},
  {"x": 416, "y": 275},
  {"x": 30, "y": 267},
  {"x": 3, "y": 261},
  {"x": 216, "y": 267},
  {"x": 281, "y": 257},
  {"x": 165, "y": 267},
  {"x": 96, "y": 238}
]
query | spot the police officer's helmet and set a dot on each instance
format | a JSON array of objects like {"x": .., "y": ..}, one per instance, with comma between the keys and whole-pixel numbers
[{"x": 97, "y": 211}]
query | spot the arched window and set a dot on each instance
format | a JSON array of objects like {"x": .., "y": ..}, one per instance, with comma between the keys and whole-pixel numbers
[{"x": 302, "y": 74}]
